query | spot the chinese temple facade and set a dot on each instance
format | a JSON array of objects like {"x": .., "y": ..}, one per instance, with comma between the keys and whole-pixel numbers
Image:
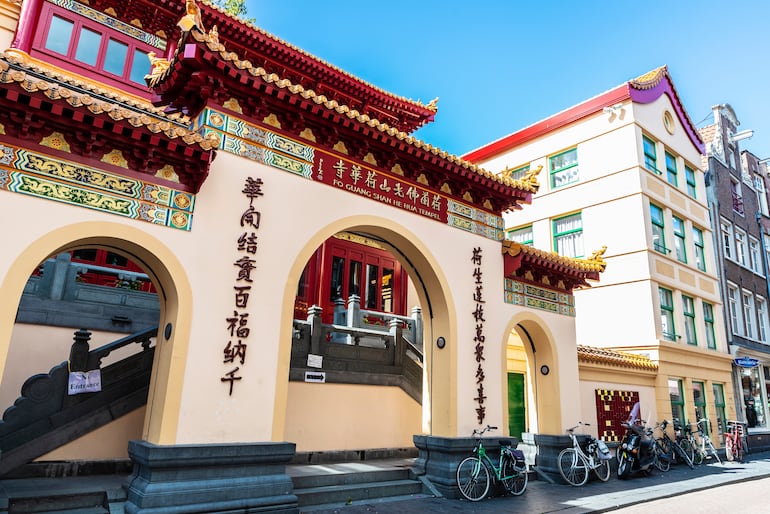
[{"x": 324, "y": 281}]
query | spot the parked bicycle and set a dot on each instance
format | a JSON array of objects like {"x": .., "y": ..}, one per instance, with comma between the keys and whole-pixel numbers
[
  {"x": 672, "y": 451},
  {"x": 703, "y": 448},
  {"x": 473, "y": 473},
  {"x": 735, "y": 441},
  {"x": 576, "y": 462}
]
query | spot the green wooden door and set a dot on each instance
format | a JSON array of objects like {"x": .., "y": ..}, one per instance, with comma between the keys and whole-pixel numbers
[{"x": 517, "y": 418}]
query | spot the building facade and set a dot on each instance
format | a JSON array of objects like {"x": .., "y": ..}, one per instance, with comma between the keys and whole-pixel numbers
[
  {"x": 623, "y": 170},
  {"x": 739, "y": 207}
]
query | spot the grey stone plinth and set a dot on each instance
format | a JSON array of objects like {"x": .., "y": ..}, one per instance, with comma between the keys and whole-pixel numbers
[
  {"x": 548, "y": 448},
  {"x": 439, "y": 456},
  {"x": 210, "y": 478}
]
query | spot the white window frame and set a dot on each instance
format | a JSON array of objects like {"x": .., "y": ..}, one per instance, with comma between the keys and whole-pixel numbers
[
  {"x": 740, "y": 247},
  {"x": 749, "y": 314},
  {"x": 759, "y": 187},
  {"x": 762, "y": 321},
  {"x": 727, "y": 239},
  {"x": 755, "y": 257},
  {"x": 736, "y": 318},
  {"x": 571, "y": 238},
  {"x": 522, "y": 235}
]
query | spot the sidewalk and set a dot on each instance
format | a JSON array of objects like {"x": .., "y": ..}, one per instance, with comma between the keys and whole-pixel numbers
[{"x": 542, "y": 497}]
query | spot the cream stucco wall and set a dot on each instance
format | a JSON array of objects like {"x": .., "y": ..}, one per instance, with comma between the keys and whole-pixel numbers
[{"x": 9, "y": 15}]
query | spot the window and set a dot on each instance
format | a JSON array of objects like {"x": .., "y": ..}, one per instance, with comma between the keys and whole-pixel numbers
[
  {"x": 658, "y": 229},
  {"x": 689, "y": 320},
  {"x": 679, "y": 239},
  {"x": 521, "y": 235},
  {"x": 740, "y": 246},
  {"x": 80, "y": 42},
  {"x": 568, "y": 236},
  {"x": 699, "y": 399},
  {"x": 759, "y": 187},
  {"x": 735, "y": 313},
  {"x": 700, "y": 251},
  {"x": 708, "y": 321},
  {"x": 650, "y": 154},
  {"x": 762, "y": 319},
  {"x": 719, "y": 405},
  {"x": 766, "y": 241},
  {"x": 667, "y": 314},
  {"x": 749, "y": 315},
  {"x": 564, "y": 168},
  {"x": 737, "y": 194},
  {"x": 676, "y": 397},
  {"x": 689, "y": 175},
  {"x": 727, "y": 239},
  {"x": 755, "y": 261},
  {"x": 671, "y": 171}
]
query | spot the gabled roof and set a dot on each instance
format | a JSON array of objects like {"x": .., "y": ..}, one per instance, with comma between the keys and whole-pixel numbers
[{"x": 644, "y": 89}]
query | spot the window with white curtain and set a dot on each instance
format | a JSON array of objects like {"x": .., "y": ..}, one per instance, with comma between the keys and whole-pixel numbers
[
  {"x": 755, "y": 257},
  {"x": 762, "y": 321},
  {"x": 736, "y": 323},
  {"x": 759, "y": 187},
  {"x": 740, "y": 247},
  {"x": 749, "y": 316},
  {"x": 727, "y": 239},
  {"x": 568, "y": 236},
  {"x": 521, "y": 235}
]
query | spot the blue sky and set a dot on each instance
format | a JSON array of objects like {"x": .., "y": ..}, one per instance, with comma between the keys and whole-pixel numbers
[{"x": 498, "y": 66}]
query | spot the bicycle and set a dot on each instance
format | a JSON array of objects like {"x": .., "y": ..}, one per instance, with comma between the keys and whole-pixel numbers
[
  {"x": 704, "y": 448},
  {"x": 473, "y": 477},
  {"x": 671, "y": 449},
  {"x": 735, "y": 441},
  {"x": 576, "y": 462}
]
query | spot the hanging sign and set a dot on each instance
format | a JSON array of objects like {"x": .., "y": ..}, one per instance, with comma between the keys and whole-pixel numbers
[
  {"x": 746, "y": 362},
  {"x": 84, "y": 382}
]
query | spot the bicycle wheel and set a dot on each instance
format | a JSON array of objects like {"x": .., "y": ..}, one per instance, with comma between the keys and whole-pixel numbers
[
  {"x": 473, "y": 479},
  {"x": 713, "y": 451},
  {"x": 573, "y": 468},
  {"x": 517, "y": 482},
  {"x": 697, "y": 453},
  {"x": 729, "y": 448},
  {"x": 604, "y": 470},
  {"x": 663, "y": 460},
  {"x": 681, "y": 454},
  {"x": 688, "y": 449},
  {"x": 624, "y": 466}
]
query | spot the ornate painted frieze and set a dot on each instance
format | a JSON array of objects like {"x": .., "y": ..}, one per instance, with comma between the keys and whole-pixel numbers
[
  {"x": 31, "y": 173},
  {"x": 528, "y": 295},
  {"x": 125, "y": 28},
  {"x": 264, "y": 146}
]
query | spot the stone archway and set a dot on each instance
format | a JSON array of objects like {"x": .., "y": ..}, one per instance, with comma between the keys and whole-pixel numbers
[
  {"x": 173, "y": 287},
  {"x": 439, "y": 414}
]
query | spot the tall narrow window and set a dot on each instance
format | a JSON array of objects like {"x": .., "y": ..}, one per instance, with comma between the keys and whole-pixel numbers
[
  {"x": 521, "y": 235},
  {"x": 727, "y": 239},
  {"x": 658, "y": 229},
  {"x": 372, "y": 286},
  {"x": 719, "y": 405},
  {"x": 700, "y": 251},
  {"x": 762, "y": 319},
  {"x": 708, "y": 321},
  {"x": 748, "y": 315},
  {"x": 692, "y": 188},
  {"x": 735, "y": 313},
  {"x": 679, "y": 239},
  {"x": 650, "y": 154},
  {"x": 699, "y": 399},
  {"x": 568, "y": 236},
  {"x": 387, "y": 289},
  {"x": 667, "y": 314},
  {"x": 677, "y": 399},
  {"x": 759, "y": 187},
  {"x": 671, "y": 171},
  {"x": 564, "y": 168},
  {"x": 737, "y": 194},
  {"x": 755, "y": 258},
  {"x": 689, "y": 320},
  {"x": 740, "y": 247}
]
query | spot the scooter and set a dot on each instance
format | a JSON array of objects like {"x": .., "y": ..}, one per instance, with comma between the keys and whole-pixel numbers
[{"x": 636, "y": 451}]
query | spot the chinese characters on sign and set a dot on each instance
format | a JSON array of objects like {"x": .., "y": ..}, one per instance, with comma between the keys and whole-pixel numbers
[
  {"x": 234, "y": 352},
  {"x": 478, "y": 339}
]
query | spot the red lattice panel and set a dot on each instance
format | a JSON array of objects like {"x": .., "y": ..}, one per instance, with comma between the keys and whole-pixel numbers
[{"x": 612, "y": 408}]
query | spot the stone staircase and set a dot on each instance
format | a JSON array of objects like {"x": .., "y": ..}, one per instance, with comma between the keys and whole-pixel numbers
[{"x": 349, "y": 483}]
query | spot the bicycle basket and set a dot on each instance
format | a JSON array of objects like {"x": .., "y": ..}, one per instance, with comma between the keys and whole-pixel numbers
[
  {"x": 519, "y": 463},
  {"x": 603, "y": 451}
]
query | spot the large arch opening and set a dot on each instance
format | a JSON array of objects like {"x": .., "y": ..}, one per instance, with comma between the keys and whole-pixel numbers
[
  {"x": 329, "y": 416},
  {"x": 157, "y": 272}
]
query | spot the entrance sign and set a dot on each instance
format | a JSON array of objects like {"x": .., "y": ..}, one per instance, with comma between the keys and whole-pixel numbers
[
  {"x": 84, "y": 382},
  {"x": 315, "y": 361},
  {"x": 319, "y": 377}
]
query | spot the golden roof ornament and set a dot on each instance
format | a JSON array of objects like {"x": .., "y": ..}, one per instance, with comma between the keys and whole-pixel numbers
[
  {"x": 530, "y": 176},
  {"x": 596, "y": 257},
  {"x": 432, "y": 105},
  {"x": 192, "y": 19},
  {"x": 158, "y": 67}
]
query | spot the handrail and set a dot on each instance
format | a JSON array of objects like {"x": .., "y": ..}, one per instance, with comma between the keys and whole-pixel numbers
[{"x": 143, "y": 337}]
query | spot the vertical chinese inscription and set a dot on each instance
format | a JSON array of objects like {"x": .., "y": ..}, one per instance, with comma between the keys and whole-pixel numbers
[
  {"x": 237, "y": 324},
  {"x": 478, "y": 339}
]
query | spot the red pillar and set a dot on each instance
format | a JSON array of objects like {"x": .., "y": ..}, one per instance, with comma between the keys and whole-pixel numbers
[{"x": 28, "y": 20}]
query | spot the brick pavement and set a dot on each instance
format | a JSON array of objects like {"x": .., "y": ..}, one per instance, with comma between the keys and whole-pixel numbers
[{"x": 595, "y": 496}]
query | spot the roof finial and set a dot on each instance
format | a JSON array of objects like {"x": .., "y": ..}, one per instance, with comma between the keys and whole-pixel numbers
[
  {"x": 433, "y": 105},
  {"x": 192, "y": 19}
]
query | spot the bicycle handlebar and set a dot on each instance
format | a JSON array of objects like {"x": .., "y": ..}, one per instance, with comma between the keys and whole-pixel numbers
[{"x": 477, "y": 432}]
